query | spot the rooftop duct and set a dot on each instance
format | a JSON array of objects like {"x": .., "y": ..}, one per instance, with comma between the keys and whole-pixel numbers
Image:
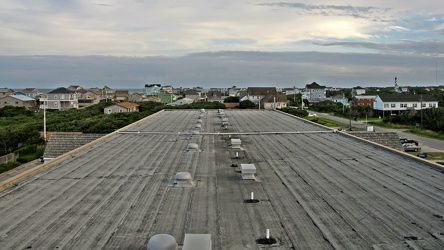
[
  {"x": 162, "y": 242},
  {"x": 248, "y": 171}
]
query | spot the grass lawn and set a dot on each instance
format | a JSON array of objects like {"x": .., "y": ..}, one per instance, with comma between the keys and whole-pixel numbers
[
  {"x": 411, "y": 130},
  {"x": 326, "y": 122}
]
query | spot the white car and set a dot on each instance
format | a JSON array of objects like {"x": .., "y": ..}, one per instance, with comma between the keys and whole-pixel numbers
[
  {"x": 410, "y": 147},
  {"x": 312, "y": 114}
]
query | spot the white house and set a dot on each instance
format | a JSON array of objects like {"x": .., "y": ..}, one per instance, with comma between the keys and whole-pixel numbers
[
  {"x": 60, "y": 99},
  {"x": 121, "y": 107},
  {"x": 314, "y": 92},
  {"x": 399, "y": 103}
]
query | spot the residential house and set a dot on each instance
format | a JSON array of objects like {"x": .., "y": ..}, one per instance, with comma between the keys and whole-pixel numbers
[
  {"x": 256, "y": 94},
  {"x": 192, "y": 94},
  {"x": 60, "y": 99},
  {"x": 341, "y": 99},
  {"x": 314, "y": 92},
  {"x": 31, "y": 92},
  {"x": 135, "y": 97},
  {"x": 5, "y": 92},
  {"x": 18, "y": 101},
  {"x": 364, "y": 100},
  {"x": 277, "y": 101},
  {"x": 166, "y": 97},
  {"x": 121, "y": 107},
  {"x": 233, "y": 91},
  {"x": 152, "y": 89},
  {"x": 87, "y": 98},
  {"x": 153, "y": 98},
  {"x": 182, "y": 101},
  {"x": 167, "y": 89},
  {"x": 358, "y": 91},
  {"x": 399, "y": 103},
  {"x": 214, "y": 96},
  {"x": 75, "y": 88},
  {"x": 121, "y": 95},
  {"x": 107, "y": 92}
]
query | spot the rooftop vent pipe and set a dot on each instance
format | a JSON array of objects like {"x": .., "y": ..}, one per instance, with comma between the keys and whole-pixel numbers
[{"x": 162, "y": 242}]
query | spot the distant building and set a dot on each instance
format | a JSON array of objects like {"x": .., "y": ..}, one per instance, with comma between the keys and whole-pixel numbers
[
  {"x": 214, "y": 96},
  {"x": 87, "y": 98},
  {"x": 192, "y": 94},
  {"x": 121, "y": 107},
  {"x": 152, "y": 89},
  {"x": 18, "y": 101},
  {"x": 341, "y": 99},
  {"x": 256, "y": 94},
  {"x": 5, "y": 92},
  {"x": 75, "y": 87},
  {"x": 60, "y": 99},
  {"x": 135, "y": 97},
  {"x": 277, "y": 101},
  {"x": 358, "y": 91},
  {"x": 400, "y": 103},
  {"x": 364, "y": 100},
  {"x": 121, "y": 95},
  {"x": 31, "y": 92},
  {"x": 182, "y": 101},
  {"x": 314, "y": 92}
]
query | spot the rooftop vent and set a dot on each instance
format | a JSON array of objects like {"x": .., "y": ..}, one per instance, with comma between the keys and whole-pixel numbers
[
  {"x": 198, "y": 125},
  {"x": 235, "y": 143},
  {"x": 267, "y": 240},
  {"x": 224, "y": 119},
  {"x": 202, "y": 110},
  {"x": 192, "y": 146},
  {"x": 183, "y": 179},
  {"x": 248, "y": 171},
  {"x": 199, "y": 121},
  {"x": 195, "y": 132},
  {"x": 197, "y": 242},
  {"x": 201, "y": 116},
  {"x": 162, "y": 242}
]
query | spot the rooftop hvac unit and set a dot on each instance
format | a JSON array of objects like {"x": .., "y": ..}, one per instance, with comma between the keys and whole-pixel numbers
[
  {"x": 197, "y": 242},
  {"x": 162, "y": 242},
  {"x": 235, "y": 143},
  {"x": 248, "y": 171}
]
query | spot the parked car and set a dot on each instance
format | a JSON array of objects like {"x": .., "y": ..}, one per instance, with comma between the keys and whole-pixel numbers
[
  {"x": 405, "y": 140},
  {"x": 410, "y": 147},
  {"x": 312, "y": 114}
]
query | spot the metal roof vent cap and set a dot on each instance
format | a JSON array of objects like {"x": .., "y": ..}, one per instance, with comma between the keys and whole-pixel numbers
[
  {"x": 162, "y": 242},
  {"x": 192, "y": 146},
  {"x": 195, "y": 132},
  {"x": 183, "y": 180},
  {"x": 202, "y": 110},
  {"x": 199, "y": 121},
  {"x": 198, "y": 125}
]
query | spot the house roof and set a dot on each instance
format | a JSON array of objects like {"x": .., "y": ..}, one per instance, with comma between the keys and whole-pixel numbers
[
  {"x": 270, "y": 98},
  {"x": 6, "y": 90},
  {"x": 127, "y": 105},
  {"x": 61, "y": 90},
  {"x": 314, "y": 85},
  {"x": 365, "y": 97},
  {"x": 408, "y": 98},
  {"x": 21, "y": 98},
  {"x": 121, "y": 93},
  {"x": 359, "y": 87},
  {"x": 262, "y": 91},
  {"x": 30, "y": 90}
]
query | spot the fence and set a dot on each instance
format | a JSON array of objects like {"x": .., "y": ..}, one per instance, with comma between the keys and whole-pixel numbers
[{"x": 9, "y": 158}]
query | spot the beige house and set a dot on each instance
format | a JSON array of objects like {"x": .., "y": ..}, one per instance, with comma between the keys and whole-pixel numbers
[
  {"x": 121, "y": 95},
  {"x": 121, "y": 107},
  {"x": 18, "y": 101},
  {"x": 60, "y": 99},
  {"x": 87, "y": 98},
  {"x": 277, "y": 101},
  {"x": 5, "y": 92}
]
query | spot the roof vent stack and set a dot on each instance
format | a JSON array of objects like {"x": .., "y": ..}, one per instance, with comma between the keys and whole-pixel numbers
[
  {"x": 162, "y": 242},
  {"x": 267, "y": 240}
]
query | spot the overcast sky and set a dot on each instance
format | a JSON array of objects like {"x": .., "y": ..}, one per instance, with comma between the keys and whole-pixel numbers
[{"x": 127, "y": 44}]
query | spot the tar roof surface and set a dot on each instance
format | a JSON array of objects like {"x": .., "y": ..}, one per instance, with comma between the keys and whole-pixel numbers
[{"x": 318, "y": 190}]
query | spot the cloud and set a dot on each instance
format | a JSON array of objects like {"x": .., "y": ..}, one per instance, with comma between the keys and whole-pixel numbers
[{"x": 219, "y": 69}]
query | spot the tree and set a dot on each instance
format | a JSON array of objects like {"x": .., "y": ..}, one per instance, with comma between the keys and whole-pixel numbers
[{"x": 247, "y": 104}]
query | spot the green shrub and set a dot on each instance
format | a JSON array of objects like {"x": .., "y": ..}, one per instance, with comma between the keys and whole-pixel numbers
[{"x": 8, "y": 166}]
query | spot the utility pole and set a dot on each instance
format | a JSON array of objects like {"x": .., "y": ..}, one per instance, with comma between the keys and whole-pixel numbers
[
  {"x": 44, "y": 118},
  {"x": 421, "y": 112}
]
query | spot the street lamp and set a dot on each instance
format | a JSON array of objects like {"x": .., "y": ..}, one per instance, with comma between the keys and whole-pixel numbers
[{"x": 44, "y": 116}]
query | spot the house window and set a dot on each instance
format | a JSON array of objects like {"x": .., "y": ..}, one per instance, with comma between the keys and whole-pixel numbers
[
  {"x": 424, "y": 105},
  {"x": 386, "y": 105},
  {"x": 415, "y": 105},
  {"x": 403, "y": 105},
  {"x": 55, "y": 96},
  {"x": 430, "y": 105},
  {"x": 434, "y": 105},
  {"x": 120, "y": 110},
  {"x": 63, "y": 97},
  {"x": 55, "y": 104},
  {"x": 17, "y": 103},
  {"x": 393, "y": 105},
  {"x": 109, "y": 111}
]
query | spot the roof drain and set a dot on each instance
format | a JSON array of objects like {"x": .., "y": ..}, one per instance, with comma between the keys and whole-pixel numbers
[
  {"x": 162, "y": 242},
  {"x": 267, "y": 240}
]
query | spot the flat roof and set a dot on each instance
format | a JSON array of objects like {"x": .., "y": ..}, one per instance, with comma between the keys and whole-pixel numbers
[{"x": 316, "y": 189}]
